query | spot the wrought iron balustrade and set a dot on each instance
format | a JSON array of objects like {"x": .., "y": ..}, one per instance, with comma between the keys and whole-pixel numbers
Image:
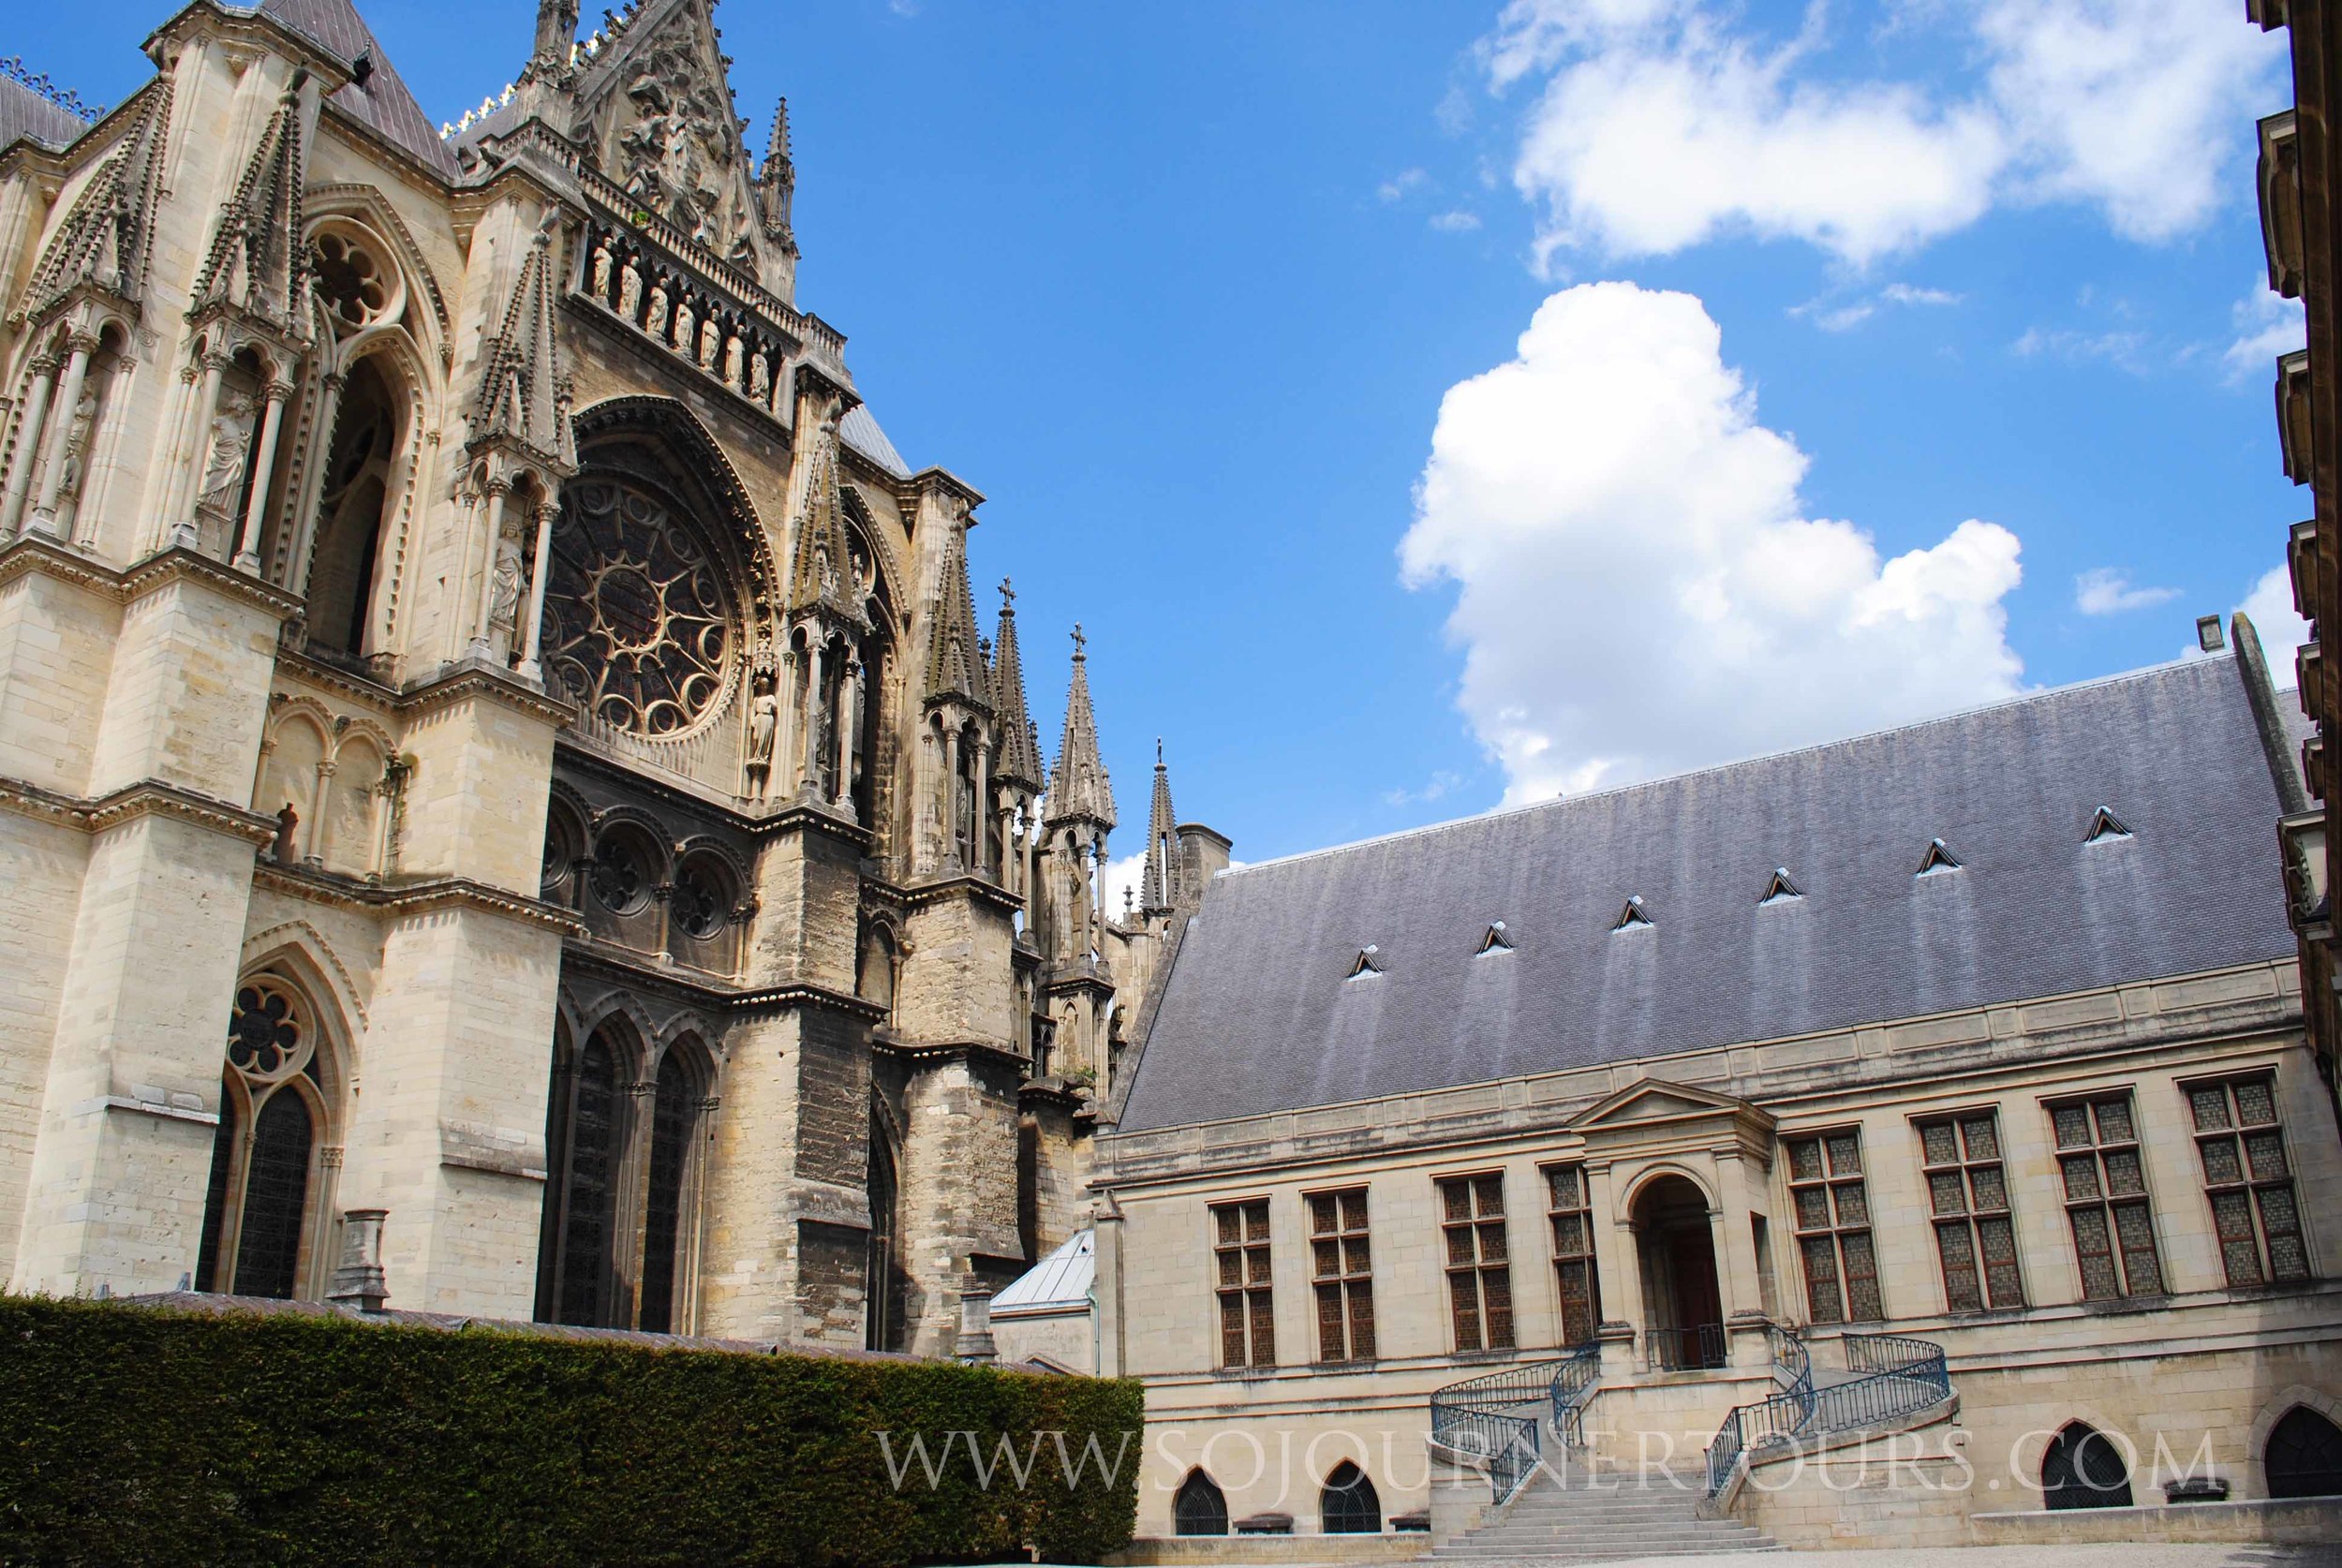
[
  {"x": 1900, "y": 1377},
  {"x": 1497, "y": 1418},
  {"x": 1699, "y": 1348}
]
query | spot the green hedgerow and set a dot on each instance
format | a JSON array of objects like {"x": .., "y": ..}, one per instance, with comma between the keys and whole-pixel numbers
[{"x": 132, "y": 1434}]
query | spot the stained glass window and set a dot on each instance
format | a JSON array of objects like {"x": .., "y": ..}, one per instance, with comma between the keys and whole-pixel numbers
[
  {"x": 1830, "y": 1204},
  {"x": 1247, "y": 1317},
  {"x": 1479, "y": 1270},
  {"x": 2106, "y": 1197},
  {"x": 2249, "y": 1180},
  {"x": 1571, "y": 1214},
  {"x": 637, "y": 618},
  {"x": 1976, "y": 1237}
]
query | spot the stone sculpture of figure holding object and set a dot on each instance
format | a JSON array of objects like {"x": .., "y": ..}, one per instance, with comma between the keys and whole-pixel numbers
[{"x": 231, "y": 438}]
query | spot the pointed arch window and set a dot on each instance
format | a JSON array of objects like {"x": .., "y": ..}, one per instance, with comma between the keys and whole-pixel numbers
[
  {"x": 261, "y": 1203},
  {"x": 666, "y": 1237},
  {"x": 2083, "y": 1470},
  {"x": 1199, "y": 1509},
  {"x": 1348, "y": 1504},
  {"x": 588, "y": 1161},
  {"x": 2303, "y": 1456}
]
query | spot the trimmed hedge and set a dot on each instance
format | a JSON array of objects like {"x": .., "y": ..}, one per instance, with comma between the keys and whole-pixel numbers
[{"x": 136, "y": 1434}]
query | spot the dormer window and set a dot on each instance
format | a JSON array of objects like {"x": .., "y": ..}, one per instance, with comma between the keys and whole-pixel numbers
[
  {"x": 1369, "y": 963},
  {"x": 1780, "y": 889},
  {"x": 1496, "y": 941},
  {"x": 1937, "y": 859},
  {"x": 2104, "y": 824},
  {"x": 1632, "y": 915}
]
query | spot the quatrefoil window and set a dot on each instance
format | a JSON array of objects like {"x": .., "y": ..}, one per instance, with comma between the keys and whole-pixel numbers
[
  {"x": 356, "y": 288},
  {"x": 699, "y": 903},
  {"x": 638, "y": 622},
  {"x": 620, "y": 873},
  {"x": 267, "y": 1037}
]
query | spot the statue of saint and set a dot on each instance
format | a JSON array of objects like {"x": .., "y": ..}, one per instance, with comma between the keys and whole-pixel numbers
[
  {"x": 231, "y": 438},
  {"x": 629, "y": 289},
  {"x": 77, "y": 439},
  {"x": 505, "y": 608},
  {"x": 683, "y": 340},
  {"x": 764, "y": 729},
  {"x": 601, "y": 269},
  {"x": 655, "y": 319}
]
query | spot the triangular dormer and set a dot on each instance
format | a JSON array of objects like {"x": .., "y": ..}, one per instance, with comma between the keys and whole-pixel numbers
[
  {"x": 1495, "y": 940},
  {"x": 1780, "y": 889},
  {"x": 1937, "y": 859},
  {"x": 1632, "y": 915},
  {"x": 1366, "y": 964},
  {"x": 2105, "y": 824}
]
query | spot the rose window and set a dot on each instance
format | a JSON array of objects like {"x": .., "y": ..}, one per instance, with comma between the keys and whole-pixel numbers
[
  {"x": 699, "y": 907},
  {"x": 638, "y": 624},
  {"x": 265, "y": 1036},
  {"x": 350, "y": 282},
  {"x": 617, "y": 875}
]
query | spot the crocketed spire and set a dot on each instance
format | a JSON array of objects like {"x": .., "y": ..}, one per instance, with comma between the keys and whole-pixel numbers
[
  {"x": 104, "y": 238},
  {"x": 820, "y": 575},
  {"x": 1162, "y": 879},
  {"x": 955, "y": 662},
  {"x": 524, "y": 389},
  {"x": 256, "y": 260},
  {"x": 1079, "y": 790},
  {"x": 1020, "y": 759}
]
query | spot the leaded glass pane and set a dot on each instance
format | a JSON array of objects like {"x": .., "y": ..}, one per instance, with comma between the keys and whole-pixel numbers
[
  {"x": 1991, "y": 1192},
  {"x": 1853, "y": 1206},
  {"x": 1812, "y": 1208},
  {"x": 1257, "y": 1222},
  {"x": 1231, "y": 1268},
  {"x": 1327, "y": 1257},
  {"x": 1459, "y": 1245},
  {"x": 2209, "y": 1107},
  {"x": 1362, "y": 1321},
  {"x": 1861, "y": 1278},
  {"x": 1227, "y": 1219},
  {"x": 1264, "y": 1329},
  {"x": 2232, "y": 1222},
  {"x": 2255, "y": 1102},
  {"x": 2114, "y": 1120},
  {"x": 1354, "y": 1255},
  {"x": 1487, "y": 1194},
  {"x": 1805, "y": 1159},
  {"x": 2081, "y": 1176},
  {"x": 1564, "y": 1181},
  {"x": 1957, "y": 1248},
  {"x": 2123, "y": 1175},
  {"x": 1983, "y": 1137},
  {"x": 1821, "y": 1278},
  {"x": 1997, "y": 1241},
  {"x": 2095, "y": 1250},
  {"x": 1353, "y": 1211},
  {"x": 2136, "y": 1233},
  {"x": 1942, "y": 1148},
  {"x": 2221, "y": 1163},
  {"x": 1492, "y": 1243},
  {"x": 2074, "y": 1125},
  {"x": 1945, "y": 1194},
  {"x": 1457, "y": 1199},
  {"x": 1569, "y": 1234},
  {"x": 1322, "y": 1218},
  {"x": 1496, "y": 1285},
  {"x": 275, "y": 1197},
  {"x": 1845, "y": 1154},
  {"x": 2265, "y": 1152}
]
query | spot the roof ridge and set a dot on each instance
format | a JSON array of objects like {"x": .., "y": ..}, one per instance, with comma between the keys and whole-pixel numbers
[{"x": 2021, "y": 699}]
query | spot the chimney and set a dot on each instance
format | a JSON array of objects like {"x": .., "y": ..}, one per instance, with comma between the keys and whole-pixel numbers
[
  {"x": 975, "y": 1326},
  {"x": 358, "y": 1280}
]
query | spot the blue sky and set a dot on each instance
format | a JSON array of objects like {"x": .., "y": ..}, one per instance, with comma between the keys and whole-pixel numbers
[{"x": 1185, "y": 291}]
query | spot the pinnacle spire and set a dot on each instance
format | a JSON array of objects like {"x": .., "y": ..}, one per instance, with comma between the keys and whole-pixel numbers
[
  {"x": 1080, "y": 789},
  {"x": 1020, "y": 758},
  {"x": 104, "y": 238},
  {"x": 1162, "y": 890},
  {"x": 821, "y": 576},
  {"x": 524, "y": 389},
  {"x": 256, "y": 260},
  {"x": 956, "y": 663}
]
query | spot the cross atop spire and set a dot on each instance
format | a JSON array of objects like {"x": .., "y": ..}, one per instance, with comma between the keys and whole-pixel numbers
[
  {"x": 1008, "y": 593},
  {"x": 1080, "y": 642},
  {"x": 1020, "y": 753},
  {"x": 1079, "y": 790}
]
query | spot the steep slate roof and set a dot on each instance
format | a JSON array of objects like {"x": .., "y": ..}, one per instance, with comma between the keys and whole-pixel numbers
[
  {"x": 25, "y": 115},
  {"x": 1257, "y": 1015},
  {"x": 860, "y": 430},
  {"x": 383, "y": 105},
  {"x": 1058, "y": 1281}
]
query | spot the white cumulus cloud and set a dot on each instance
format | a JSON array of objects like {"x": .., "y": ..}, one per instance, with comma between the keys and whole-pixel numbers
[
  {"x": 1639, "y": 587},
  {"x": 2267, "y": 325},
  {"x": 1661, "y": 123},
  {"x": 2279, "y": 625},
  {"x": 2108, "y": 591}
]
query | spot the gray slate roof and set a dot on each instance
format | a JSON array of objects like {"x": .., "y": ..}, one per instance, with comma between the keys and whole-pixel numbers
[
  {"x": 383, "y": 104},
  {"x": 860, "y": 430},
  {"x": 25, "y": 115},
  {"x": 1258, "y": 1016}
]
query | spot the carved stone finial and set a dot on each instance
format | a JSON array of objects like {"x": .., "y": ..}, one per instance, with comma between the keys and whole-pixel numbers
[{"x": 1079, "y": 641}]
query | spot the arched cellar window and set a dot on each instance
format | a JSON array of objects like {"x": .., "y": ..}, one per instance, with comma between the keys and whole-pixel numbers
[
  {"x": 259, "y": 1207},
  {"x": 673, "y": 1129},
  {"x": 2083, "y": 1470},
  {"x": 1348, "y": 1505},
  {"x": 358, "y": 479},
  {"x": 2303, "y": 1456},
  {"x": 1199, "y": 1509}
]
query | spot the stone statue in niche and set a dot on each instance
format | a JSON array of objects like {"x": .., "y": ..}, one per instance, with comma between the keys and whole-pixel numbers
[
  {"x": 683, "y": 321},
  {"x": 732, "y": 361},
  {"x": 760, "y": 378},
  {"x": 711, "y": 336},
  {"x": 764, "y": 729},
  {"x": 655, "y": 319},
  {"x": 505, "y": 606},
  {"x": 77, "y": 439},
  {"x": 231, "y": 438},
  {"x": 630, "y": 290},
  {"x": 601, "y": 270}
]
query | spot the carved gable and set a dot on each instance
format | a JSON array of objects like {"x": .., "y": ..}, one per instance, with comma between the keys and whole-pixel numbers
[
  {"x": 1655, "y": 1100},
  {"x": 659, "y": 114}
]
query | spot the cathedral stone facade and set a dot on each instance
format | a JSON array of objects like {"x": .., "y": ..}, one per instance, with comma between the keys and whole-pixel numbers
[{"x": 494, "y": 739}]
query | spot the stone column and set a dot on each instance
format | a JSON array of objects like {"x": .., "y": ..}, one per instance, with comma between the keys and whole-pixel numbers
[
  {"x": 1620, "y": 1268},
  {"x": 313, "y": 851},
  {"x": 980, "y": 831},
  {"x": 29, "y": 431},
  {"x": 534, "y": 636},
  {"x": 498, "y": 488},
  {"x": 951, "y": 794},
  {"x": 183, "y": 529},
  {"x": 810, "y": 773},
  {"x": 247, "y": 556},
  {"x": 329, "y": 411},
  {"x": 849, "y": 710},
  {"x": 44, "y": 515}
]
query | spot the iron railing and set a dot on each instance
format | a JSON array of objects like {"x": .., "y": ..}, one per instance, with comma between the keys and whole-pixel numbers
[
  {"x": 1684, "y": 1350},
  {"x": 1497, "y": 1418},
  {"x": 1898, "y": 1377}
]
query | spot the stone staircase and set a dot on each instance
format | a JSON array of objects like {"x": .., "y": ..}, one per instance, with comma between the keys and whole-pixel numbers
[{"x": 1599, "y": 1517}]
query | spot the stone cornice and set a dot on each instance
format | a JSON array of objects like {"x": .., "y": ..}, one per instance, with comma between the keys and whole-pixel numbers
[
  {"x": 420, "y": 896},
  {"x": 459, "y": 681},
  {"x": 645, "y": 972},
  {"x": 780, "y": 998},
  {"x": 146, "y": 798},
  {"x": 375, "y": 694},
  {"x": 933, "y": 477},
  {"x": 962, "y": 884},
  {"x": 989, "y": 1052},
  {"x": 29, "y": 553},
  {"x": 1051, "y": 1091}
]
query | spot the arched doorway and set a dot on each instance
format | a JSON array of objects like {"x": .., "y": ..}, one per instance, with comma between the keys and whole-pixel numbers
[
  {"x": 1683, "y": 1305},
  {"x": 2303, "y": 1456},
  {"x": 2083, "y": 1470}
]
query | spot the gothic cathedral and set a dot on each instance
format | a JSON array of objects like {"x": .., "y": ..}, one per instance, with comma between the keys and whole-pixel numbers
[{"x": 495, "y": 741}]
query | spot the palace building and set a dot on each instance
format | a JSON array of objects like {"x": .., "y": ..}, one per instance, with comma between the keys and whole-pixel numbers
[
  {"x": 1900, "y": 1141},
  {"x": 493, "y": 738}
]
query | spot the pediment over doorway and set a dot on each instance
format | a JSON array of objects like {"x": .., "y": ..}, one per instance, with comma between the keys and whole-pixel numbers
[{"x": 1654, "y": 1107}]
